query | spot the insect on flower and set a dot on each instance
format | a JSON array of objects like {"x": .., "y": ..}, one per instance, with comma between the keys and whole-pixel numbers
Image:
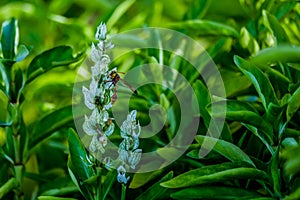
[{"x": 114, "y": 78}]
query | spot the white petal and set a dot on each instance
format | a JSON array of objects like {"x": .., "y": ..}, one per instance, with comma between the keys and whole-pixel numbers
[
  {"x": 110, "y": 129},
  {"x": 123, "y": 155},
  {"x": 95, "y": 54},
  {"x": 101, "y": 32},
  {"x": 88, "y": 128},
  {"x": 88, "y": 100},
  {"x": 134, "y": 158}
]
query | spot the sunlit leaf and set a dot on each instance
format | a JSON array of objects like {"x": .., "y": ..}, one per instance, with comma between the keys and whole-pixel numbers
[
  {"x": 273, "y": 55},
  {"x": 118, "y": 12},
  {"x": 214, "y": 174},
  {"x": 198, "y": 9},
  {"x": 49, "y": 124},
  {"x": 55, "y": 57},
  {"x": 8, "y": 186},
  {"x": 22, "y": 53},
  {"x": 274, "y": 26},
  {"x": 81, "y": 166},
  {"x": 205, "y": 27}
]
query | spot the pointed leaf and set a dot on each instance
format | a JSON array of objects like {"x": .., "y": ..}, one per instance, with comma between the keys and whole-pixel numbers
[
  {"x": 55, "y": 57},
  {"x": 9, "y": 38},
  {"x": 245, "y": 113},
  {"x": 207, "y": 175},
  {"x": 282, "y": 53},
  {"x": 82, "y": 168},
  {"x": 214, "y": 192},
  {"x": 110, "y": 178},
  {"x": 49, "y": 124},
  {"x": 226, "y": 149},
  {"x": 23, "y": 52},
  {"x": 206, "y": 27},
  {"x": 260, "y": 81},
  {"x": 118, "y": 12},
  {"x": 274, "y": 26},
  {"x": 140, "y": 179},
  {"x": 293, "y": 105}
]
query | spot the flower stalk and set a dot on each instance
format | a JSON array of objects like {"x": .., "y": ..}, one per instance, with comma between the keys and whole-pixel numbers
[{"x": 99, "y": 98}]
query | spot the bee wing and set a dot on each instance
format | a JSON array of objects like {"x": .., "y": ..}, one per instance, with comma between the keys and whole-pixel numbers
[{"x": 129, "y": 86}]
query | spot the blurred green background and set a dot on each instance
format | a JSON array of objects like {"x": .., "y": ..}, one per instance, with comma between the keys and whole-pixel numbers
[{"x": 225, "y": 28}]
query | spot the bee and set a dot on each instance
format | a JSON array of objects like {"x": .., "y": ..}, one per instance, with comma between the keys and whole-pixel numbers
[{"x": 114, "y": 79}]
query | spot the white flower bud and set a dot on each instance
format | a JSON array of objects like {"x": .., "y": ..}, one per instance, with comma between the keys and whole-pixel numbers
[{"x": 101, "y": 32}]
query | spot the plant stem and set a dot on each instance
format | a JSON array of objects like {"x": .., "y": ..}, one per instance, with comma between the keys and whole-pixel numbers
[
  {"x": 8, "y": 186},
  {"x": 99, "y": 183},
  {"x": 123, "y": 195}
]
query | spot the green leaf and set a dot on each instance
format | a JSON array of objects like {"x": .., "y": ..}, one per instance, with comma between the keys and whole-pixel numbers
[
  {"x": 8, "y": 186},
  {"x": 214, "y": 174},
  {"x": 230, "y": 79},
  {"x": 293, "y": 104},
  {"x": 156, "y": 190},
  {"x": 245, "y": 113},
  {"x": 79, "y": 157},
  {"x": 9, "y": 38},
  {"x": 205, "y": 27},
  {"x": 274, "y": 55},
  {"x": 260, "y": 81},
  {"x": 140, "y": 179},
  {"x": 110, "y": 178},
  {"x": 9, "y": 114},
  {"x": 203, "y": 97},
  {"x": 3, "y": 107},
  {"x": 4, "y": 79},
  {"x": 214, "y": 192},
  {"x": 49, "y": 124},
  {"x": 79, "y": 167},
  {"x": 54, "y": 198},
  {"x": 198, "y": 9},
  {"x": 275, "y": 173},
  {"x": 23, "y": 52},
  {"x": 294, "y": 195},
  {"x": 226, "y": 149},
  {"x": 291, "y": 165},
  {"x": 19, "y": 83},
  {"x": 249, "y": 7},
  {"x": 60, "y": 191},
  {"x": 119, "y": 12},
  {"x": 274, "y": 26},
  {"x": 55, "y": 57}
]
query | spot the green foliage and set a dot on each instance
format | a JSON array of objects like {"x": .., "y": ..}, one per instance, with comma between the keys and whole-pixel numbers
[
  {"x": 255, "y": 45},
  {"x": 22, "y": 139}
]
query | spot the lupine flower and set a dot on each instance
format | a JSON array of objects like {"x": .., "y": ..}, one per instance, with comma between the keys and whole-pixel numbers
[
  {"x": 99, "y": 98},
  {"x": 91, "y": 94},
  {"x": 130, "y": 127},
  {"x": 129, "y": 153},
  {"x": 101, "y": 32},
  {"x": 98, "y": 143},
  {"x": 122, "y": 175}
]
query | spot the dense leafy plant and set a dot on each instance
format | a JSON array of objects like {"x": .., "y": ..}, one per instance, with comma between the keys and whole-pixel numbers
[
  {"x": 255, "y": 45},
  {"x": 20, "y": 137}
]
